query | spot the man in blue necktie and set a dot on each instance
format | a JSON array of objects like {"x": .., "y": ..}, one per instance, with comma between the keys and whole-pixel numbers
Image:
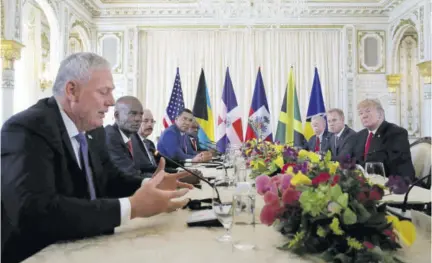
[{"x": 58, "y": 181}]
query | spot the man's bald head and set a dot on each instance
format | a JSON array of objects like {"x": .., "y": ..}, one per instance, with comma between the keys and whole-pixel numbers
[{"x": 128, "y": 112}]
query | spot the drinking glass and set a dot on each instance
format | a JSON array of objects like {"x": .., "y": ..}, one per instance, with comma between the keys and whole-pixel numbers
[
  {"x": 244, "y": 214},
  {"x": 375, "y": 171},
  {"x": 223, "y": 209}
]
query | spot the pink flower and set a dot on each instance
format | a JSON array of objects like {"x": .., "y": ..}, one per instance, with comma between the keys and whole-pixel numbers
[
  {"x": 263, "y": 184},
  {"x": 290, "y": 196},
  {"x": 276, "y": 179},
  {"x": 285, "y": 182},
  {"x": 269, "y": 213},
  {"x": 271, "y": 198}
]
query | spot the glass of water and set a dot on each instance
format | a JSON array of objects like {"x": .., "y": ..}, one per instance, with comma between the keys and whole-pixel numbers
[
  {"x": 375, "y": 171},
  {"x": 223, "y": 209},
  {"x": 244, "y": 214}
]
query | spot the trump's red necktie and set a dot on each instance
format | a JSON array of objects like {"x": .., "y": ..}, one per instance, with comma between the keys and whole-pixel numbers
[{"x": 367, "y": 145}]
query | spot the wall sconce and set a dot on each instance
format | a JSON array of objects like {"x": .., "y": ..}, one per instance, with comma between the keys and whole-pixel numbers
[
  {"x": 45, "y": 81},
  {"x": 393, "y": 82},
  {"x": 425, "y": 71}
]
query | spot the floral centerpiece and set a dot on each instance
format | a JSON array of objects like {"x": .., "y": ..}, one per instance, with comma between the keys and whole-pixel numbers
[{"x": 326, "y": 210}]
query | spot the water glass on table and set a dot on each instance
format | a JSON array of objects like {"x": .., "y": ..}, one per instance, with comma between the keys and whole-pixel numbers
[
  {"x": 244, "y": 215},
  {"x": 375, "y": 172},
  {"x": 223, "y": 209}
]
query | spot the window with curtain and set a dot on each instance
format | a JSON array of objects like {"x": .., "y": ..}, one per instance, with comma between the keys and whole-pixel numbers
[{"x": 243, "y": 51}]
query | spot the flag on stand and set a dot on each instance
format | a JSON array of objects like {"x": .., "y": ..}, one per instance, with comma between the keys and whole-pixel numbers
[
  {"x": 203, "y": 112},
  {"x": 259, "y": 113},
  {"x": 289, "y": 129},
  {"x": 316, "y": 105},
  {"x": 175, "y": 104},
  {"x": 229, "y": 124}
]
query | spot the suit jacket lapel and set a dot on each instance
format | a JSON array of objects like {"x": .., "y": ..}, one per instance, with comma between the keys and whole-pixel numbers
[{"x": 66, "y": 140}]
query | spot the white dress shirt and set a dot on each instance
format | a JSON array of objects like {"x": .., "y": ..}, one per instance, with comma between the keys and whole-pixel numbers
[{"x": 72, "y": 130}]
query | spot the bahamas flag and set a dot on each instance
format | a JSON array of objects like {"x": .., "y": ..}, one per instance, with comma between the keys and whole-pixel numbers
[
  {"x": 289, "y": 129},
  {"x": 316, "y": 105},
  {"x": 203, "y": 112}
]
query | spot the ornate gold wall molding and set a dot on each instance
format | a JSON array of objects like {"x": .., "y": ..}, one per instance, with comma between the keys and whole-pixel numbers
[
  {"x": 10, "y": 51},
  {"x": 363, "y": 51},
  {"x": 393, "y": 82},
  {"x": 425, "y": 71}
]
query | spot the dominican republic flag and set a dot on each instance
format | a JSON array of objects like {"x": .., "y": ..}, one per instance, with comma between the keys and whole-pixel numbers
[
  {"x": 229, "y": 125},
  {"x": 259, "y": 114},
  {"x": 175, "y": 104}
]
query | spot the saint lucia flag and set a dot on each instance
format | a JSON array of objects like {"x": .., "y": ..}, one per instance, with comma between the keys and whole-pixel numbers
[
  {"x": 203, "y": 112},
  {"x": 259, "y": 113},
  {"x": 316, "y": 105},
  {"x": 289, "y": 129}
]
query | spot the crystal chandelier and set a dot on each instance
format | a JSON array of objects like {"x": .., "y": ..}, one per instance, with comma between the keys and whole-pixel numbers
[{"x": 252, "y": 9}]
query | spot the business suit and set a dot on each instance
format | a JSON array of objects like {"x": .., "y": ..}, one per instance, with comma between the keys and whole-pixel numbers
[
  {"x": 44, "y": 190},
  {"x": 144, "y": 162},
  {"x": 341, "y": 148},
  {"x": 324, "y": 142},
  {"x": 122, "y": 157},
  {"x": 174, "y": 144},
  {"x": 389, "y": 145}
]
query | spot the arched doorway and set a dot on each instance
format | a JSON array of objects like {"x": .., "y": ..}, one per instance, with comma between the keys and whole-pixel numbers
[
  {"x": 406, "y": 58},
  {"x": 79, "y": 39},
  {"x": 40, "y": 56}
]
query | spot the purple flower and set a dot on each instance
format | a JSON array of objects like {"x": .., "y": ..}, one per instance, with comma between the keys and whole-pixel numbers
[{"x": 397, "y": 184}]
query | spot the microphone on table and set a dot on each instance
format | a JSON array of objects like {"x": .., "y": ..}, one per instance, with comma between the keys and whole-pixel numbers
[
  {"x": 211, "y": 148},
  {"x": 401, "y": 210},
  {"x": 157, "y": 153},
  {"x": 404, "y": 204},
  {"x": 212, "y": 162}
]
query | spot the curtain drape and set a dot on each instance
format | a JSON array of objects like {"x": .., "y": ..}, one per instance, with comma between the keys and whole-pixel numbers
[{"x": 243, "y": 51}]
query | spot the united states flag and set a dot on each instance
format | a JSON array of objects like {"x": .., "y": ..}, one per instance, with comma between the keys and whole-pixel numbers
[{"x": 175, "y": 104}]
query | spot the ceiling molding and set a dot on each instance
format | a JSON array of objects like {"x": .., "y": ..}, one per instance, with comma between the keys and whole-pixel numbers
[{"x": 189, "y": 8}]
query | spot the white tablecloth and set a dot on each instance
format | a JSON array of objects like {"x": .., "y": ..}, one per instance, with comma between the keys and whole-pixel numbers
[{"x": 166, "y": 238}]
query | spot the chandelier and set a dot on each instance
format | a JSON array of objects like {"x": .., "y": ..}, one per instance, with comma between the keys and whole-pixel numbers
[{"x": 252, "y": 10}]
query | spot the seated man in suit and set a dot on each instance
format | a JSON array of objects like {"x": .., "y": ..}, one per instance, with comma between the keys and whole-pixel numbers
[
  {"x": 381, "y": 141},
  {"x": 174, "y": 141},
  {"x": 341, "y": 133},
  {"x": 128, "y": 116},
  {"x": 57, "y": 182},
  {"x": 320, "y": 141},
  {"x": 193, "y": 137},
  {"x": 146, "y": 149}
]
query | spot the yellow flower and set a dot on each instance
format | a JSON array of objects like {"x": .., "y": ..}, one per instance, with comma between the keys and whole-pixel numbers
[
  {"x": 279, "y": 162},
  {"x": 313, "y": 157},
  {"x": 303, "y": 154},
  {"x": 256, "y": 165},
  {"x": 300, "y": 179},
  {"x": 333, "y": 167},
  {"x": 405, "y": 229}
]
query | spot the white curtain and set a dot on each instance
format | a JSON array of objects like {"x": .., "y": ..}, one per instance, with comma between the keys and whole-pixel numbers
[{"x": 244, "y": 51}]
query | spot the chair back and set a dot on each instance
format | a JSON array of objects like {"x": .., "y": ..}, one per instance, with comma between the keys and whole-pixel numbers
[{"x": 421, "y": 156}]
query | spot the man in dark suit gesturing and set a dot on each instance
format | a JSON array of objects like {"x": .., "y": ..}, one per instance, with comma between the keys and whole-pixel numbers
[
  {"x": 341, "y": 134},
  {"x": 58, "y": 182},
  {"x": 381, "y": 141}
]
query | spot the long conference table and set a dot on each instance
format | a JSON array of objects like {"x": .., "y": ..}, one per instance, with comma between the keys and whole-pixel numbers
[{"x": 167, "y": 238}]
